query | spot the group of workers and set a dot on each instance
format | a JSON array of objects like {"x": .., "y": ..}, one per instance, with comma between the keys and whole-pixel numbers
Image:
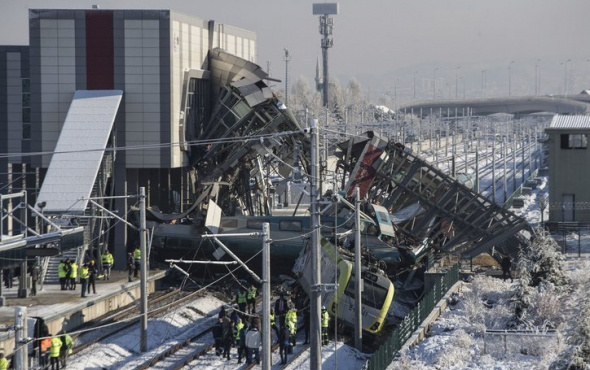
[
  {"x": 54, "y": 351},
  {"x": 69, "y": 273},
  {"x": 241, "y": 327}
]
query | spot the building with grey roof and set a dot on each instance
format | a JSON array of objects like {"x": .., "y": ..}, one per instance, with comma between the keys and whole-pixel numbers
[{"x": 569, "y": 179}]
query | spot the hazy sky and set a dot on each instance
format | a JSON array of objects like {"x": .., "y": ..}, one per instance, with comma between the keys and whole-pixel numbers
[{"x": 386, "y": 37}]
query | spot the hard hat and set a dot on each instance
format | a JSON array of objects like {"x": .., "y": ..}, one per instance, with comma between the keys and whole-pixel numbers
[{"x": 323, "y": 307}]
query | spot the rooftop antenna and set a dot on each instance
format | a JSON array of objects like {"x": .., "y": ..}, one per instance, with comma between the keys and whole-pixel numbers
[
  {"x": 324, "y": 10},
  {"x": 287, "y": 58}
]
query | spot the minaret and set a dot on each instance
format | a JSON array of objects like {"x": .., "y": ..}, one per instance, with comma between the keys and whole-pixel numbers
[{"x": 318, "y": 80}]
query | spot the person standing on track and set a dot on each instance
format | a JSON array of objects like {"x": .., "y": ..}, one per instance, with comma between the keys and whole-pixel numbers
[
  {"x": 54, "y": 352},
  {"x": 137, "y": 261},
  {"x": 242, "y": 299},
  {"x": 61, "y": 274},
  {"x": 253, "y": 340},
  {"x": 291, "y": 324},
  {"x": 251, "y": 298},
  {"x": 130, "y": 267},
  {"x": 284, "y": 342},
  {"x": 325, "y": 321},
  {"x": 227, "y": 328}
]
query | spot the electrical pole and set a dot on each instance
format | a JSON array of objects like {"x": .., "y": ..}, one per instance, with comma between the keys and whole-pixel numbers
[
  {"x": 21, "y": 346},
  {"x": 316, "y": 278},
  {"x": 143, "y": 284},
  {"x": 266, "y": 339},
  {"x": 358, "y": 286}
]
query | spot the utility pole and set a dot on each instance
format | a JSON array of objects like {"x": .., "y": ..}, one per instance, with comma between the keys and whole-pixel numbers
[
  {"x": 266, "y": 339},
  {"x": 358, "y": 286},
  {"x": 315, "y": 359},
  {"x": 143, "y": 284},
  {"x": 21, "y": 346}
]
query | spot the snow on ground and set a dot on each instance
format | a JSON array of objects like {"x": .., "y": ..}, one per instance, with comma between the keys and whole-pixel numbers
[{"x": 461, "y": 338}]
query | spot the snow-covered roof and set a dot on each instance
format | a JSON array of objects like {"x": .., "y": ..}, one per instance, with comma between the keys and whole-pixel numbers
[{"x": 570, "y": 122}]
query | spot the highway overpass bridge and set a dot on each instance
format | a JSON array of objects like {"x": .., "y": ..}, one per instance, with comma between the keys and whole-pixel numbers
[{"x": 517, "y": 105}]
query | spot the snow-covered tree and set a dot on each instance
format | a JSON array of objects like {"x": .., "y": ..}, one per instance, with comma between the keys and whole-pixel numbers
[{"x": 543, "y": 278}]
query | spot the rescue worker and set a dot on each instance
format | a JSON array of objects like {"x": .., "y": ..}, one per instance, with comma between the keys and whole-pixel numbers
[
  {"x": 73, "y": 275},
  {"x": 227, "y": 328},
  {"x": 242, "y": 350},
  {"x": 281, "y": 307},
  {"x": 325, "y": 321},
  {"x": 61, "y": 274},
  {"x": 137, "y": 261},
  {"x": 251, "y": 298},
  {"x": 239, "y": 328},
  {"x": 273, "y": 322},
  {"x": 84, "y": 278},
  {"x": 44, "y": 354},
  {"x": 34, "y": 278},
  {"x": 107, "y": 263},
  {"x": 241, "y": 299},
  {"x": 3, "y": 362},
  {"x": 54, "y": 352},
  {"x": 253, "y": 340},
  {"x": 66, "y": 349},
  {"x": 291, "y": 324},
  {"x": 92, "y": 272},
  {"x": 217, "y": 332},
  {"x": 68, "y": 268},
  {"x": 284, "y": 344}
]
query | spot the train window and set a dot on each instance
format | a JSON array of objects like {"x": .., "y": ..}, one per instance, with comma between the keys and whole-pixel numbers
[
  {"x": 229, "y": 223},
  {"x": 255, "y": 224},
  {"x": 373, "y": 295},
  {"x": 290, "y": 226}
]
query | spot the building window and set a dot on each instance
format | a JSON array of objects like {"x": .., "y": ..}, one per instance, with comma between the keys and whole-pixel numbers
[{"x": 574, "y": 141}]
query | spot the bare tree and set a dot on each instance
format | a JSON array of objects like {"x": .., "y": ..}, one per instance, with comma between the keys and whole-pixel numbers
[{"x": 542, "y": 202}]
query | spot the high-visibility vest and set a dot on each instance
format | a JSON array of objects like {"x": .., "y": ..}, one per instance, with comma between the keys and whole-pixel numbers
[
  {"x": 291, "y": 321},
  {"x": 69, "y": 344},
  {"x": 252, "y": 293},
  {"x": 3, "y": 363},
  {"x": 239, "y": 327},
  {"x": 272, "y": 319},
  {"x": 241, "y": 296},
  {"x": 137, "y": 254},
  {"x": 84, "y": 272},
  {"x": 108, "y": 258},
  {"x": 325, "y": 319},
  {"x": 74, "y": 273},
  {"x": 55, "y": 347},
  {"x": 61, "y": 270}
]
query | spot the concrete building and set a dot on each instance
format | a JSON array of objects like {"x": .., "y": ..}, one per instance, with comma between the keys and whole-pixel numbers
[
  {"x": 569, "y": 181},
  {"x": 158, "y": 59}
]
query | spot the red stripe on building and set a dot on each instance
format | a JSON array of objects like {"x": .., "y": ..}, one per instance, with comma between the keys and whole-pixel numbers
[{"x": 100, "y": 54}]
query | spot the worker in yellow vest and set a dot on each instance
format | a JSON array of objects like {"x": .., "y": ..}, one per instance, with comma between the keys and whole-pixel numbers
[
  {"x": 73, "y": 275},
  {"x": 3, "y": 362},
  {"x": 251, "y": 298},
  {"x": 107, "y": 263},
  {"x": 137, "y": 260},
  {"x": 242, "y": 299},
  {"x": 61, "y": 274},
  {"x": 67, "y": 344},
  {"x": 84, "y": 274},
  {"x": 325, "y": 321},
  {"x": 54, "y": 352},
  {"x": 291, "y": 324}
]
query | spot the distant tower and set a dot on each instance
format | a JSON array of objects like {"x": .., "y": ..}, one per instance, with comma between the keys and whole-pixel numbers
[
  {"x": 287, "y": 58},
  {"x": 324, "y": 10},
  {"x": 318, "y": 78}
]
